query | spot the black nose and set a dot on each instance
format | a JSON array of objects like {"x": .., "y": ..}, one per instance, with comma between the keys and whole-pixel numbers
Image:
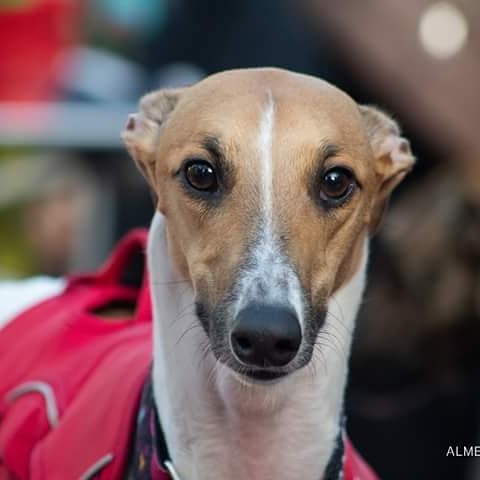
[{"x": 266, "y": 335}]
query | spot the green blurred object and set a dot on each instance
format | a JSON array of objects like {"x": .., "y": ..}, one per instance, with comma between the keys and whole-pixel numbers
[
  {"x": 14, "y": 4},
  {"x": 16, "y": 259}
]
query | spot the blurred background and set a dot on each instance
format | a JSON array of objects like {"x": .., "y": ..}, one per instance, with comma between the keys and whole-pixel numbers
[{"x": 71, "y": 71}]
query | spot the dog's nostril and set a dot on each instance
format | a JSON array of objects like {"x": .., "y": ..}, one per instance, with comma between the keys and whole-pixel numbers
[{"x": 285, "y": 346}]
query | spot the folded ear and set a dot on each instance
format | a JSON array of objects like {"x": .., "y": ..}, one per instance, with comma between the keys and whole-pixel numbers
[
  {"x": 142, "y": 129},
  {"x": 393, "y": 158}
]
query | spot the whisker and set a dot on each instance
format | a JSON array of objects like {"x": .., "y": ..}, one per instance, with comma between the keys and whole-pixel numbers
[
  {"x": 318, "y": 349},
  {"x": 332, "y": 340},
  {"x": 187, "y": 330},
  {"x": 340, "y": 321},
  {"x": 182, "y": 313}
]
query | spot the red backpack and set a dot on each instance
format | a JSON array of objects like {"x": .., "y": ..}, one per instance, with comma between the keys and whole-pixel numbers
[{"x": 71, "y": 381}]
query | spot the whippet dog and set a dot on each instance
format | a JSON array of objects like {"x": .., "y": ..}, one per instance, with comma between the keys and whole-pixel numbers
[{"x": 268, "y": 186}]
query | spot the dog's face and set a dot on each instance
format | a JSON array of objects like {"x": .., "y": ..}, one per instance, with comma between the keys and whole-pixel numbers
[{"x": 271, "y": 183}]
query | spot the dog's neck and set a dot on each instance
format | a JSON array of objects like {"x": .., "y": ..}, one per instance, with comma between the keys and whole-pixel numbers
[{"x": 218, "y": 427}]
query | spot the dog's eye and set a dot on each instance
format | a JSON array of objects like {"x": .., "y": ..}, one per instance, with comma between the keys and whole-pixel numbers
[
  {"x": 336, "y": 185},
  {"x": 201, "y": 175}
]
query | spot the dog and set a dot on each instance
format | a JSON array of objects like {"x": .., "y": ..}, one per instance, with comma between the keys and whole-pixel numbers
[{"x": 268, "y": 185}]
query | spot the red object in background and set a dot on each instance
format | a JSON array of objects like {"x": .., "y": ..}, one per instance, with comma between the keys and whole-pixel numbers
[
  {"x": 33, "y": 33},
  {"x": 78, "y": 376}
]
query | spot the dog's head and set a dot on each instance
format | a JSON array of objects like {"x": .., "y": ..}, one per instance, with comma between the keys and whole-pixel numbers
[{"x": 271, "y": 183}]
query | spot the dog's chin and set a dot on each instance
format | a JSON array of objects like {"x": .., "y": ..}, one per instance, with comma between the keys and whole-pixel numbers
[
  {"x": 259, "y": 394},
  {"x": 255, "y": 375}
]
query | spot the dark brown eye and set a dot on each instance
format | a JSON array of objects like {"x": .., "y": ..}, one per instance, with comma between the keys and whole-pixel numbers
[
  {"x": 336, "y": 185},
  {"x": 201, "y": 176}
]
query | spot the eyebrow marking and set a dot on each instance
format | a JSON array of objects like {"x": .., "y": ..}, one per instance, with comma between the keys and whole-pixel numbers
[
  {"x": 329, "y": 150},
  {"x": 212, "y": 144}
]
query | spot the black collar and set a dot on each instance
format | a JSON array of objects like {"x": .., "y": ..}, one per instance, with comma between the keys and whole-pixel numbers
[
  {"x": 151, "y": 451},
  {"x": 334, "y": 470}
]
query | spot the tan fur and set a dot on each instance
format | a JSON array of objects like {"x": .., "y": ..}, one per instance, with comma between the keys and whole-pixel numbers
[{"x": 325, "y": 248}]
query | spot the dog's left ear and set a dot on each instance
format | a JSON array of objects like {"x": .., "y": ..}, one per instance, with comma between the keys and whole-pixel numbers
[
  {"x": 143, "y": 129},
  {"x": 393, "y": 158}
]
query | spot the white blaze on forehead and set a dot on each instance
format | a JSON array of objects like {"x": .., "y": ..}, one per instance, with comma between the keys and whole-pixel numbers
[
  {"x": 270, "y": 277},
  {"x": 265, "y": 150}
]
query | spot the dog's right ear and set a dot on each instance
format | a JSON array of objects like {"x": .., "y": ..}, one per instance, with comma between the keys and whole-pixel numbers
[
  {"x": 392, "y": 155},
  {"x": 142, "y": 129}
]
